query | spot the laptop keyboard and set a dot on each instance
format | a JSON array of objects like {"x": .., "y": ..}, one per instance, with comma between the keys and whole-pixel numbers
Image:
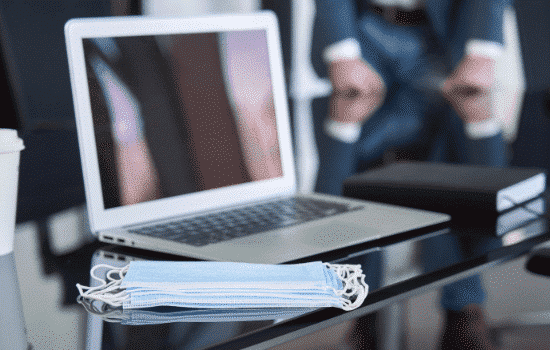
[{"x": 217, "y": 227}]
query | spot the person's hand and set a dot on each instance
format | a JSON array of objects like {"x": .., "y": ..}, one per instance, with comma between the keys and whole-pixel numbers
[
  {"x": 358, "y": 91},
  {"x": 469, "y": 88}
]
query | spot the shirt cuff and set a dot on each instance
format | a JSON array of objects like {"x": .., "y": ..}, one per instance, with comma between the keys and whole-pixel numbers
[
  {"x": 346, "y": 49},
  {"x": 489, "y": 49},
  {"x": 479, "y": 130},
  {"x": 345, "y": 132},
  {"x": 407, "y": 5}
]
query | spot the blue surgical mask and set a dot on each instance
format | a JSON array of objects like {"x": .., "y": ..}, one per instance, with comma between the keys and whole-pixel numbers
[{"x": 144, "y": 284}]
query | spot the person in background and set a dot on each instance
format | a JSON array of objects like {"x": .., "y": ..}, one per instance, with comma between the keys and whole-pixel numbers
[
  {"x": 411, "y": 73},
  {"x": 406, "y": 73}
]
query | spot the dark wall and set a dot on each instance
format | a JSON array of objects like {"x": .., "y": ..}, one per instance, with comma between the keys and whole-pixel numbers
[
  {"x": 36, "y": 79},
  {"x": 9, "y": 115},
  {"x": 533, "y": 17},
  {"x": 532, "y": 147}
]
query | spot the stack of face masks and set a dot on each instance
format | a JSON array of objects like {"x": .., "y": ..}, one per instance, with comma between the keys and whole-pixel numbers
[{"x": 227, "y": 285}]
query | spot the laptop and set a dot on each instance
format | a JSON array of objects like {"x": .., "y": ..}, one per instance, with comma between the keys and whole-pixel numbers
[{"x": 186, "y": 146}]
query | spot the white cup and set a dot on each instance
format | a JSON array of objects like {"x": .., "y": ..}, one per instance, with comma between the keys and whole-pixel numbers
[{"x": 10, "y": 148}]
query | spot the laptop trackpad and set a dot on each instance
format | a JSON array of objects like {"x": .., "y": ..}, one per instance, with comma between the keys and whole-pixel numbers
[{"x": 340, "y": 233}]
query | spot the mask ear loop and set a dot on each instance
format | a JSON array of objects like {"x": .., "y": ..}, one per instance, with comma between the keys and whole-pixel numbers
[
  {"x": 108, "y": 292},
  {"x": 106, "y": 312},
  {"x": 353, "y": 285}
]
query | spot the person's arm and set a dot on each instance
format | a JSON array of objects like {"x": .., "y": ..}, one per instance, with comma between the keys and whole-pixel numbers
[
  {"x": 470, "y": 87},
  {"x": 337, "y": 20},
  {"x": 357, "y": 89}
]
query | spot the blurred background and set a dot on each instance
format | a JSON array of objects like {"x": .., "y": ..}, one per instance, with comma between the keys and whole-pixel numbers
[{"x": 52, "y": 228}]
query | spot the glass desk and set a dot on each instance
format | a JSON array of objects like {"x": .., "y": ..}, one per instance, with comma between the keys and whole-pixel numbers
[{"x": 416, "y": 280}]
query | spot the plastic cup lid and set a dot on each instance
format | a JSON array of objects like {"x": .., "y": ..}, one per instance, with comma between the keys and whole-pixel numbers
[{"x": 9, "y": 141}]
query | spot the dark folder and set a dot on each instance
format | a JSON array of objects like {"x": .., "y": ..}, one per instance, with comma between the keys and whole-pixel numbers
[{"x": 448, "y": 188}]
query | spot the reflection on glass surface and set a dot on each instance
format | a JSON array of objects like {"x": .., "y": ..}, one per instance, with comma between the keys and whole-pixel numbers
[
  {"x": 12, "y": 323},
  {"x": 456, "y": 311},
  {"x": 519, "y": 216},
  {"x": 534, "y": 228},
  {"x": 176, "y": 114},
  {"x": 390, "y": 270},
  {"x": 162, "y": 315}
]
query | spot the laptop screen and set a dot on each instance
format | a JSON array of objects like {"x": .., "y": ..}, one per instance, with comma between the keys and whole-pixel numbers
[{"x": 176, "y": 114}]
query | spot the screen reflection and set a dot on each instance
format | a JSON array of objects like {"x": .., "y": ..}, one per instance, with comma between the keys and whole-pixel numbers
[{"x": 176, "y": 114}]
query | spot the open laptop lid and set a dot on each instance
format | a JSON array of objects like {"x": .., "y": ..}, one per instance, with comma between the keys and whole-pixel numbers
[{"x": 196, "y": 159}]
